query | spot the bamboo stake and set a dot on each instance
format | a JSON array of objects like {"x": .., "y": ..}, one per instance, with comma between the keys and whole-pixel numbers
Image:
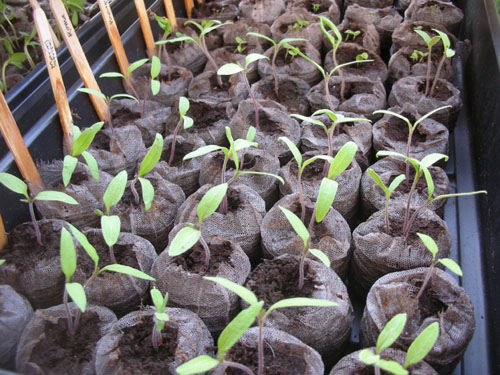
[
  {"x": 146, "y": 28},
  {"x": 114, "y": 35},
  {"x": 3, "y": 235},
  {"x": 169, "y": 8},
  {"x": 75, "y": 48},
  {"x": 189, "y": 7},
  {"x": 14, "y": 140},
  {"x": 200, "y": 1},
  {"x": 56, "y": 81},
  {"x": 34, "y": 4}
]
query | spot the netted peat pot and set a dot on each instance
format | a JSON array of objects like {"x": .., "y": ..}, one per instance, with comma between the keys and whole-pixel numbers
[
  {"x": 240, "y": 29},
  {"x": 283, "y": 27},
  {"x": 210, "y": 119},
  {"x": 205, "y": 86},
  {"x": 47, "y": 348},
  {"x": 411, "y": 90},
  {"x": 370, "y": 3},
  {"x": 361, "y": 96},
  {"x": 325, "y": 329},
  {"x": 291, "y": 92},
  {"x": 229, "y": 54},
  {"x": 294, "y": 66},
  {"x": 405, "y": 36},
  {"x": 327, "y": 8},
  {"x": 33, "y": 270},
  {"x": 185, "y": 174},
  {"x": 368, "y": 37},
  {"x": 182, "y": 278},
  {"x": 283, "y": 354},
  {"x": 442, "y": 13},
  {"x": 402, "y": 65},
  {"x": 155, "y": 223},
  {"x": 315, "y": 139},
  {"x": 240, "y": 224},
  {"x": 373, "y": 198},
  {"x": 170, "y": 89},
  {"x": 347, "y": 197},
  {"x": 222, "y": 11},
  {"x": 274, "y": 122},
  {"x": 377, "y": 253},
  {"x": 188, "y": 55},
  {"x": 254, "y": 159},
  {"x": 127, "y": 348},
  {"x": 443, "y": 301},
  {"x": 332, "y": 235},
  {"x": 351, "y": 365},
  {"x": 391, "y": 134},
  {"x": 15, "y": 313},
  {"x": 119, "y": 292},
  {"x": 83, "y": 188},
  {"x": 261, "y": 11}
]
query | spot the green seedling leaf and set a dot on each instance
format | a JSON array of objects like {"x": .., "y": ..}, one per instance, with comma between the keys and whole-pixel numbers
[
  {"x": 325, "y": 21},
  {"x": 152, "y": 157},
  {"x": 251, "y": 134},
  {"x": 110, "y": 226},
  {"x": 111, "y": 75},
  {"x": 295, "y": 151},
  {"x": 291, "y": 40},
  {"x": 391, "y": 366},
  {"x": 321, "y": 256},
  {"x": 211, "y": 201},
  {"x": 162, "y": 317},
  {"x": 430, "y": 183},
  {"x": 415, "y": 163},
  {"x": 431, "y": 159},
  {"x": 252, "y": 57},
  {"x": 115, "y": 189},
  {"x": 155, "y": 67},
  {"x": 401, "y": 117},
  {"x": 123, "y": 96},
  {"x": 18, "y": 57},
  {"x": 378, "y": 181},
  {"x": 183, "y": 105},
  {"x": 444, "y": 38},
  {"x": 445, "y": 196},
  {"x": 395, "y": 183},
  {"x": 55, "y": 196},
  {"x": 92, "y": 92},
  {"x": 367, "y": 357},
  {"x": 68, "y": 254},
  {"x": 301, "y": 302},
  {"x": 69, "y": 165},
  {"x": 2, "y": 261},
  {"x": 126, "y": 270},
  {"x": 85, "y": 139},
  {"x": 310, "y": 120},
  {"x": 202, "y": 151},
  {"x": 429, "y": 244},
  {"x": 155, "y": 86},
  {"x": 184, "y": 240},
  {"x": 180, "y": 39},
  {"x": 242, "y": 292},
  {"x": 137, "y": 64},
  {"x": 423, "y": 35},
  {"x": 422, "y": 345},
  {"x": 229, "y": 69},
  {"x": 76, "y": 131},
  {"x": 240, "y": 144},
  {"x": 343, "y": 159},
  {"x": 391, "y": 332},
  {"x": 451, "y": 265},
  {"x": 92, "y": 164},
  {"x": 263, "y": 174},
  {"x": 430, "y": 114},
  {"x": 237, "y": 327},
  {"x": 326, "y": 196},
  {"x": 14, "y": 184},
  {"x": 197, "y": 365},
  {"x": 187, "y": 122},
  {"x": 262, "y": 37},
  {"x": 77, "y": 294},
  {"x": 297, "y": 225},
  {"x": 326, "y": 158},
  {"x": 148, "y": 193},
  {"x": 84, "y": 242},
  {"x": 158, "y": 300}
]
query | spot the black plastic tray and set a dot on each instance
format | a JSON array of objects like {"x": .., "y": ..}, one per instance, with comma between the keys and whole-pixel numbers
[{"x": 462, "y": 215}]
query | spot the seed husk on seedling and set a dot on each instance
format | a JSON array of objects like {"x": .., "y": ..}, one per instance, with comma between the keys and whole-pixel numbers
[
  {"x": 351, "y": 33},
  {"x": 277, "y": 47},
  {"x": 249, "y": 297},
  {"x": 231, "y": 153},
  {"x": 185, "y": 121},
  {"x": 68, "y": 265},
  {"x": 240, "y": 48},
  {"x": 417, "y": 351},
  {"x": 232, "y": 68},
  {"x": 110, "y": 224},
  {"x": 147, "y": 164},
  {"x": 18, "y": 186},
  {"x": 204, "y": 28},
  {"x": 81, "y": 142},
  {"x": 430, "y": 42},
  {"x": 188, "y": 236},
  {"x": 160, "y": 316}
]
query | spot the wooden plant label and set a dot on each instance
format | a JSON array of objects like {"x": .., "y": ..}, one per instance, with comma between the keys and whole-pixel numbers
[
  {"x": 56, "y": 81},
  {"x": 75, "y": 48},
  {"x": 169, "y": 9},
  {"x": 146, "y": 28},
  {"x": 114, "y": 35},
  {"x": 189, "y": 7},
  {"x": 14, "y": 140},
  {"x": 3, "y": 235}
]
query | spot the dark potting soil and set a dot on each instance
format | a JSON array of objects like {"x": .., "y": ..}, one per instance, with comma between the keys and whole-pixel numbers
[
  {"x": 101, "y": 142},
  {"x": 204, "y": 115},
  {"x": 398, "y": 130},
  {"x": 136, "y": 352},
  {"x": 324, "y": 5},
  {"x": 441, "y": 92},
  {"x": 266, "y": 125},
  {"x": 124, "y": 117},
  {"x": 318, "y": 229},
  {"x": 215, "y": 87},
  {"x": 181, "y": 150},
  {"x": 277, "y": 279},
  {"x": 283, "y": 58},
  {"x": 351, "y": 89},
  {"x": 313, "y": 174},
  {"x": 287, "y": 94},
  {"x": 247, "y": 163},
  {"x": 128, "y": 199},
  {"x": 59, "y": 353},
  {"x": 194, "y": 260},
  {"x": 277, "y": 361},
  {"x": 420, "y": 225},
  {"x": 206, "y": 10}
]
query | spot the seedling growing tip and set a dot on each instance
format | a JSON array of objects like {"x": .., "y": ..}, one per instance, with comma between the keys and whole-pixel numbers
[{"x": 160, "y": 316}]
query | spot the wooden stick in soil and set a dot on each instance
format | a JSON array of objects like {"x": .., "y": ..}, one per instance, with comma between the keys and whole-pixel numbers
[
  {"x": 34, "y": 4},
  {"x": 14, "y": 140},
  {"x": 146, "y": 28},
  {"x": 114, "y": 36},
  {"x": 189, "y": 7},
  {"x": 56, "y": 81},
  {"x": 3, "y": 235},
  {"x": 75, "y": 48},
  {"x": 169, "y": 9}
]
